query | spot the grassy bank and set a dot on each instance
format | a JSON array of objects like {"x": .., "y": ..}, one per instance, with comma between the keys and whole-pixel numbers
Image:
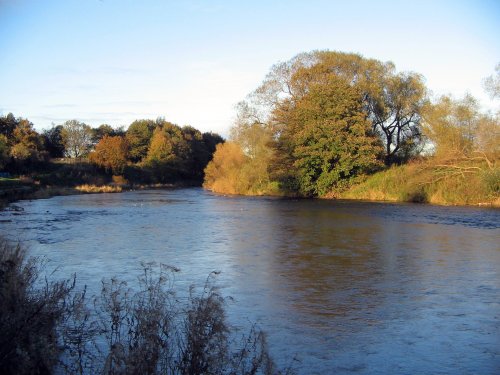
[{"x": 458, "y": 183}]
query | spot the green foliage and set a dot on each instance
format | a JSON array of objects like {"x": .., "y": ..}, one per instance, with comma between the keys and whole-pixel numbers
[
  {"x": 177, "y": 153},
  {"x": 391, "y": 101},
  {"x": 328, "y": 137},
  {"x": 139, "y": 135},
  {"x": 162, "y": 152},
  {"x": 307, "y": 128},
  {"x": 7, "y": 125},
  {"x": 4, "y": 151},
  {"x": 103, "y": 130},
  {"x": 452, "y": 126}
]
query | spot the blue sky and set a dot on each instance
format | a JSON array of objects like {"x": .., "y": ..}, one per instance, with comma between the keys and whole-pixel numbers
[{"x": 114, "y": 61}]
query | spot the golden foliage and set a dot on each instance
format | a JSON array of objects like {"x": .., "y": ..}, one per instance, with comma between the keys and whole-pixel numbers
[
  {"x": 111, "y": 153},
  {"x": 223, "y": 173},
  {"x": 98, "y": 189}
]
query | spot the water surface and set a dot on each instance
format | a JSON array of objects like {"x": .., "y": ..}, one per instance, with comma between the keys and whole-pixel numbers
[{"x": 346, "y": 287}]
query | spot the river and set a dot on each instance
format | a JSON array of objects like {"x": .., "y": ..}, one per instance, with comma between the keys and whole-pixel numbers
[{"x": 343, "y": 286}]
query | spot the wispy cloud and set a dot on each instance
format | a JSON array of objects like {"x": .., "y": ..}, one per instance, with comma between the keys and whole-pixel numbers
[{"x": 56, "y": 106}]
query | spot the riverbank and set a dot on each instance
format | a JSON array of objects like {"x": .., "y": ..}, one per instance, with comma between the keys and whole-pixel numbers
[
  {"x": 459, "y": 184},
  {"x": 463, "y": 183},
  {"x": 33, "y": 191}
]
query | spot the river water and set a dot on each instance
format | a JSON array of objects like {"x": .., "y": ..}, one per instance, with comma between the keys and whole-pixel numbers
[{"x": 344, "y": 287}]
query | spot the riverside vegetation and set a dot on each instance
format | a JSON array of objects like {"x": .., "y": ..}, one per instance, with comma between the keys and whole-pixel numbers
[
  {"x": 323, "y": 124},
  {"x": 333, "y": 124},
  {"x": 73, "y": 157},
  {"x": 54, "y": 327}
]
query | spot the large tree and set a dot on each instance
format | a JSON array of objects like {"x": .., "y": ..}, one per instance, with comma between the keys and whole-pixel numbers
[
  {"x": 457, "y": 130},
  {"x": 139, "y": 135},
  {"x": 26, "y": 142},
  {"x": 53, "y": 141},
  {"x": 324, "y": 138},
  {"x": 168, "y": 153},
  {"x": 77, "y": 138},
  {"x": 391, "y": 101},
  {"x": 111, "y": 153}
]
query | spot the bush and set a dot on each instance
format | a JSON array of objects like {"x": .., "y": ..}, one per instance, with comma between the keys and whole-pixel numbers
[
  {"x": 53, "y": 328},
  {"x": 30, "y": 314}
]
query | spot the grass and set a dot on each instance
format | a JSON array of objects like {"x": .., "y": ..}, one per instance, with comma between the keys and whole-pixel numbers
[
  {"x": 86, "y": 188},
  {"x": 462, "y": 183},
  {"x": 9, "y": 182}
]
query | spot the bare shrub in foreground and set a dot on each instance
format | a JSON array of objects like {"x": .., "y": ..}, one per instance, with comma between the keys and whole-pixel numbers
[
  {"x": 51, "y": 327},
  {"x": 30, "y": 313}
]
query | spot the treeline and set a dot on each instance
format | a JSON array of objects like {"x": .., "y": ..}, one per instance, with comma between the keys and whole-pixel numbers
[
  {"x": 149, "y": 151},
  {"x": 325, "y": 120}
]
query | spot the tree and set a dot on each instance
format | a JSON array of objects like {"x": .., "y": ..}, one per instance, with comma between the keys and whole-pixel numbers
[
  {"x": 111, "y": 153},
  {"x": 223, "y": 173},
  {"x": 198, "y": 154},
  {"x": 168, "y": 153},
  {"x": 211, "y": 140},
  {"x": 26, "y": 142},
  {"x": 395, "y": 111},
  {"x": 4, "y": 151},
  {"x": 457, "y": 130},
  {"x": 139, "y": 135},
  {"x": 7, "y": 125},
  {"x": 492, "y": 83},
  {"x": 99, "y": 132},
  {"x": 77, "y": 138},
  {"x": 391, "y": 101},
  {"x": 450, "y": 126},
  {"x": 325, "y": 139},
  {"x": 53, "y": 141}
]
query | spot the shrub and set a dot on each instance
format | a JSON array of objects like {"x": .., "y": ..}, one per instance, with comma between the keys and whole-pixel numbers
[
  {"x": 50, "y": 327},
  {"x": 30, "y": 313}
]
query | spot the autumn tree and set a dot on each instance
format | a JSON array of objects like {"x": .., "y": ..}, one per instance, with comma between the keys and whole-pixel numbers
[
  {"x": 111, "y": 153},
  {"x": 26, "y": 142},
  {"x": 458, "y": 130},
  {"x": 167, "y": 153},
  {"x": 223, "y": 173},
  {"x": 77, "y": 138}
]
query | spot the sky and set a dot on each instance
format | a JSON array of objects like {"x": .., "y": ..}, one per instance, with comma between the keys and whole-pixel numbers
[{"x": 115, "y": 61}]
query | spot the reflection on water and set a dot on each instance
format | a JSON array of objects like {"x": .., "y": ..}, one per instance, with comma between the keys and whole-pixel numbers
[{"x": 347, "y": 287}]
